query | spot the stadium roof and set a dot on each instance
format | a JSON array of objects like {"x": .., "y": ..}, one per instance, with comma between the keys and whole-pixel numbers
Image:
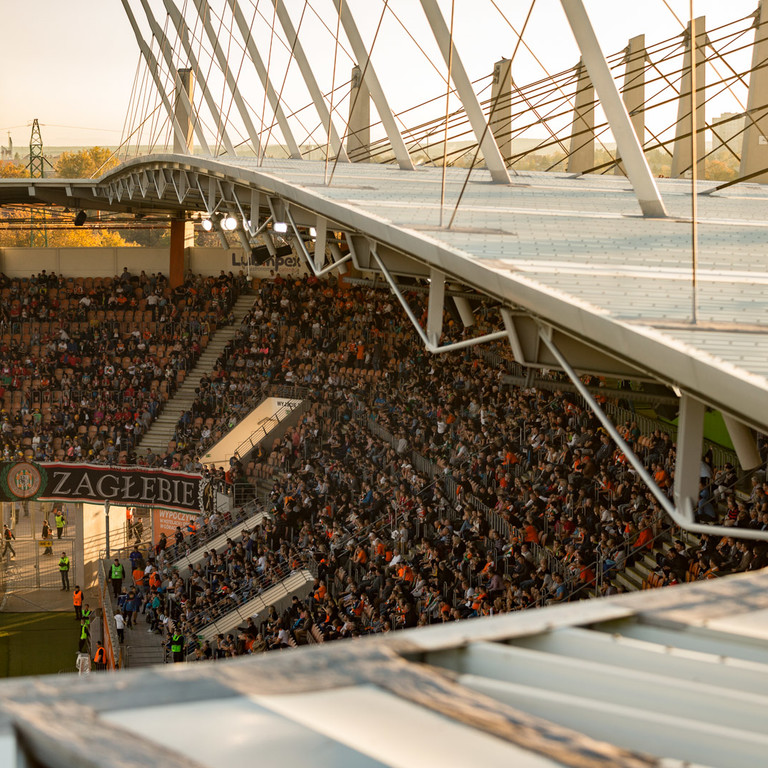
[
  {"x": 645, "y": 679},
  {"x": 569, "y": 252}
]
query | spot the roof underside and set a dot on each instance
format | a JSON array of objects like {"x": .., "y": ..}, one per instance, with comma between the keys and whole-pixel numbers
[{"x": 572, "y": 251}]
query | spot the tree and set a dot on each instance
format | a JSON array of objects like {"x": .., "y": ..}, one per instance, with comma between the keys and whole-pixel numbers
[
  {"x": 85, "y": 164},
  {"x": 11, "y": 170}
]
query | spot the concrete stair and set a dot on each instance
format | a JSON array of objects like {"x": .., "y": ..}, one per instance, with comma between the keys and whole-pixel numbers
[{"x": 161, "y": 431}]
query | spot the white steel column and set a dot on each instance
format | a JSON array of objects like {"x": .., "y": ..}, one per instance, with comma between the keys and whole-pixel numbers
[
  {"x": 638, "y": 171},
  {"x": 253, "y": 52},
  {"x": 374, "y": 86},
  {"x": 183, "y": 32},
  {"x": 167, "y": 50},
  {"x": 744, "y": 443},
  {"x": 690, "y": 436},
  {"x": 682, "y": 158},
  {"x": 435, "y": 306},
  {"x": 500, "y": 116},
  {"x": 466, "y": 92},
  {"x": 187, "y": 86},
  {"x": 634, "y": 89},
  {"x": 154, "y": 71},
  {"x": 359, "y": 125},
  {"x": 309, "y": 79},
  {"x": 581, "y": 153},
  {"x": 754, "y": 152}
]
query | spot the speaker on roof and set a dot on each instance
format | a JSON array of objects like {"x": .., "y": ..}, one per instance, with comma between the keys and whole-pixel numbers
[
  {"x": 80, "y": 218},
  {"x": 284, "y": 250},
  {"x": 259, "y": 255}
]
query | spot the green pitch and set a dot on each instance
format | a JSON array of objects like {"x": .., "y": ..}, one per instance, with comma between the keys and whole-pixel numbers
[{"x": 37, "y": 643}]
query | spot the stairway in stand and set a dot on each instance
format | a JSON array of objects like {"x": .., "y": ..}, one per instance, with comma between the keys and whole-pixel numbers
[{"x": 161, "y": 431}]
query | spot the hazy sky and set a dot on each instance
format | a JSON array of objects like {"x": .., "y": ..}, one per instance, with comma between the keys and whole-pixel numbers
[{"x": 72, "y": 64}]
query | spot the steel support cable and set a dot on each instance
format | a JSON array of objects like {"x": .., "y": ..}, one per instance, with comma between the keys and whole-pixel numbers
[
  {"x": 649, "y": 108},
  {"x": 122, "y": 143},
  {"x": 145, "y": 97},
  {"x": 558, "y": 102},
  {"x": 266, "y": 84},
  {"x": 132, "y": 104},
  {"x": 752, "y": 70},
  {"x": 532, "y": 53},
  {"x": 417, "y": 44},
  {"x": 362, "y": 80}
]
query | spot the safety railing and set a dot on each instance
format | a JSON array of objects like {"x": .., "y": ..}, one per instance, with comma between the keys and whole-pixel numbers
[{"x": 111, "y": 644}]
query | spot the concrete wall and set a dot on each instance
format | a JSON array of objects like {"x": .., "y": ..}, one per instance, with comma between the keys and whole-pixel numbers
[{"x": 108, "y": 262}]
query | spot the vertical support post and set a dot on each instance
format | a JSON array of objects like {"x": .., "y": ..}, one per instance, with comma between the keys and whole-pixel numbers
[
  {"x": 359, "y": 129},
  {"x": 435, "y": 306},
  {"x": 493, "y": 159},
  {"x": 744, "y": 442},
  {"x": 581, "y": 153},
  {"x": 638, "y": 170},
  {"x": 634, "y": 90},
  {"x": 305, "y": 68},
  {"x": 682, "y": 158},
  {"x": 754, "y": 151},
  {"x": 374, "y": 86},
  {"x": 185, "y": 84},
  {"x": 500, "y": 119},
  {"x": 690, "y": 435},
  {"x": 181, "y": 234}
]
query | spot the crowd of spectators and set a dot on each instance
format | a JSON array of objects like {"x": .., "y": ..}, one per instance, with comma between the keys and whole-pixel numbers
[
  {"x": 86, "y": 365},
  {"x": 424, "y": 489},
  {"x": 417, "y": 488}
]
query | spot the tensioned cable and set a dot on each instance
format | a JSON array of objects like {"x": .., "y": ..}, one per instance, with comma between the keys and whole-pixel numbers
[
  {"x": 291, "y": 54},
  {"x": 493, "y": 109},
  {"x": 132, "y": 104},
  {"x": 122, "y": 143}
]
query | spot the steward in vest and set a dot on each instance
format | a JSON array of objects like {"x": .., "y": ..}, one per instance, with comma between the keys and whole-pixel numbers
[
  {"x": 84, "y": 636},
  {"x": 87, "y": 612},
  {"x": 177, "y": 646},
  {"x": 60, "y": 523},
  {"x": 64, "y": 571},
  {"x": 100, "y": 658},
  {"x": 77, "y": 602},
  {"x": 116, "y": 576}
]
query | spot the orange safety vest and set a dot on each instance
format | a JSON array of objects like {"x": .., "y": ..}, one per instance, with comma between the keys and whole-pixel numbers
[
  {"x": 100, "y": 656},
  {"x": 77, "y": 597}
]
